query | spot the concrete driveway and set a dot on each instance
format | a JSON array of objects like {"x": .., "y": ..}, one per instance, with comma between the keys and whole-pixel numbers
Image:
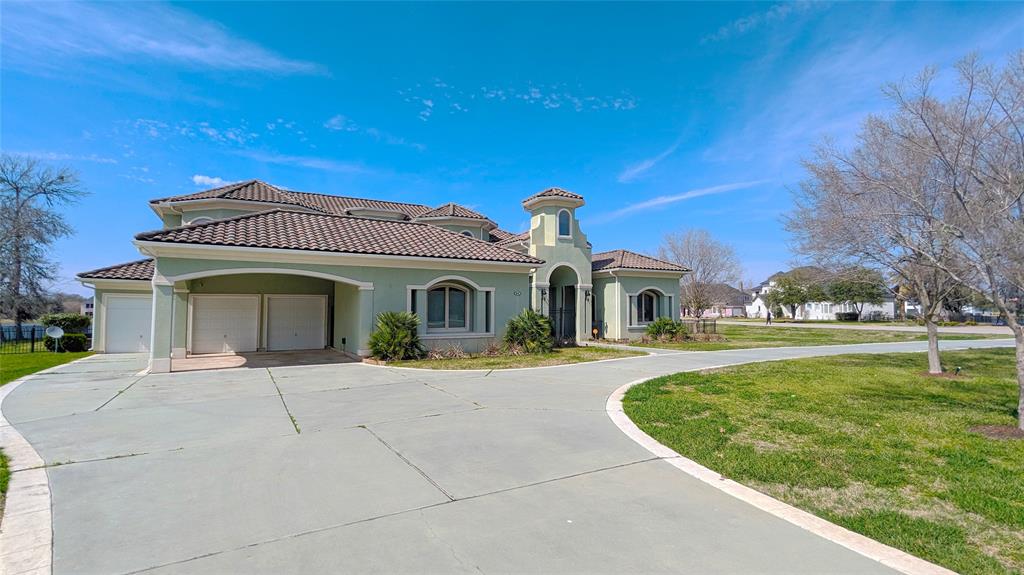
[{"x": 356, "y": 468}]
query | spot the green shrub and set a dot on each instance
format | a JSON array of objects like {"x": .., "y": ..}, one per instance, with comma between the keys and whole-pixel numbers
[
  {"x": 664, "y": 327},
  {"x": 396, "y": 336},
  {"x": 847, "y": 315},
  {"x": 70, "y": 342},
  {"x": 69, "y": 322},
  {"x": 530, "y": 332}
]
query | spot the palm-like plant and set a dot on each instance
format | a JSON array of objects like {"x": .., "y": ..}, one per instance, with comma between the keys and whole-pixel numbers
[
  {"x": 529, "y": 331},
  {"x": 396, "y": 337}
]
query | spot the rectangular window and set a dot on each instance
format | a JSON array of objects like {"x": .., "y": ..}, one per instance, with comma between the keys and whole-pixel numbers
[
  {"x": 456, "y": 308},
  {"x": 412, "y": 301},
  {"x": 435, "y": 308},
  {"x": 487, "y": 312},
  {"x": 632, "y": 310}
]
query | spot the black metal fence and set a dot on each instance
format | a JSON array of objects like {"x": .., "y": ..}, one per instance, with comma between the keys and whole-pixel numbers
[
  {"x": 700, "y": 325},
  {"x": 28, "y": 340}
]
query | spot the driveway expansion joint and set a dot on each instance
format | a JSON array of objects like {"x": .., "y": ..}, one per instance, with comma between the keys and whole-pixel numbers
[
  {"x": 284, "y": 403},
  {"x": 409, "y": 463}
]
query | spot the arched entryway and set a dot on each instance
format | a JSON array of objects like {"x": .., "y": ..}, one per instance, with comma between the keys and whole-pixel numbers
[{"x": 563, "y": 283}]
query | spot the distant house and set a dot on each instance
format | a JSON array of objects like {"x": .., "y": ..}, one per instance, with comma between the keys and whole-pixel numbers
[
  {"x": 87, "y": 308},
  {"x": 727, "y": 301},
  {"x": 818, "y": 310}
]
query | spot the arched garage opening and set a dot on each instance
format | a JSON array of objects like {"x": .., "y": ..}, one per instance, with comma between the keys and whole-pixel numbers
[{"x": 238, "y": 311}]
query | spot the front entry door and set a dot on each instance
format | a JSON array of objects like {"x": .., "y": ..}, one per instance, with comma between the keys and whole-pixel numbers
[{"x": 563, "y": 314}]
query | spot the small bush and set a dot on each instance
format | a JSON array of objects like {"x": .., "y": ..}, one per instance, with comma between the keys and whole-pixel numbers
[
  {"x": 69, "y": 322},
  {"x": 492, "y": 349},
  {"x": 396, "y": 337},
  {"x": 70, "y": 342},
  {"x": 450, "y": 351},
  {"x": 847, "y": 315},
  {"x": 664, "y": 327},
  {"x": 529, "y": 331}
]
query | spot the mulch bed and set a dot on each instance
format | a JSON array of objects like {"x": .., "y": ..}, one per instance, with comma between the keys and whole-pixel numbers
[{"x": 999, "y": 431}]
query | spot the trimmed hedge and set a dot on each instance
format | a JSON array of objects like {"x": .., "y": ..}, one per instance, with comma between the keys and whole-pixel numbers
[
  {"x": 70, "y": 342},
  {"x": 847, "y": 316},
  {"x": 69, "y": 322}
]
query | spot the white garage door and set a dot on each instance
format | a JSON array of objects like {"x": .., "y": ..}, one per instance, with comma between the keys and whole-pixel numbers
[
  {"x": 224, "y": 324},
  {"x": 296, "y": 322},
  {"x": 128, "y": 323}
]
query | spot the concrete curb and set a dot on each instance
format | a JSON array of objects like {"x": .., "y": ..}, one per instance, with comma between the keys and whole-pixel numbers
[
  {"x": 26, "y": 532},
  {"x": 888, "y": 556}
]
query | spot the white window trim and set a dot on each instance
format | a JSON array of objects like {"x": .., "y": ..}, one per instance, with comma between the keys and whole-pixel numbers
[
  {"x": 468, "y": 233},
  {"x": 558, "y": 223},
  {"x": 410, "y": 294},
  {"x": 467, "y": 320},
  {"x": 659, "y": 294},
  {"x": 200, "y": 220}
]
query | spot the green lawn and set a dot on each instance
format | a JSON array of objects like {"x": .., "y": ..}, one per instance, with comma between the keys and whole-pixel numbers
[
  {"x": 559, "y": 356},
  {"x": 867, "y": 441},
  {"x": 15, "y": 365},
  {"x": 743, "y": 336}
]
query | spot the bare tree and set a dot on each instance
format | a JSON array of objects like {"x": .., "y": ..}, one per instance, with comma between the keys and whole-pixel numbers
[
  {"x": 29, "y": 224},
  {"x": 711, "y": 262},
  {"x": 974, "y": 146},
  {"x": 864, "y": 207}
]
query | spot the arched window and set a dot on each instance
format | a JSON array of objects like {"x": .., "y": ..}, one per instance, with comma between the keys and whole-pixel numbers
[
  {"x": 564, "y": 224},
  {"x": 647, "y": 305},
  {"x": 200, "y": 220},
  {"x": 447, "y": 308},
  {"x": 467, "y": 233}
]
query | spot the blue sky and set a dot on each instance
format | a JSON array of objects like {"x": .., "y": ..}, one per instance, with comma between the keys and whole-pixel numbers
[{"x": 664, "y": 116}]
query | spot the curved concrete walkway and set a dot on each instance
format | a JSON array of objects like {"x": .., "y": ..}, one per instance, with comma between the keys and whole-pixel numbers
[{"x": 356, "y": 468}]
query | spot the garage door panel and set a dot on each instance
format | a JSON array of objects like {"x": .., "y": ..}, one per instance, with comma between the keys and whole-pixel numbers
[
  {"x": 295, "y": 322},
  {"x": 224, "y": 324},
  {"x": 128, "y": 324}
]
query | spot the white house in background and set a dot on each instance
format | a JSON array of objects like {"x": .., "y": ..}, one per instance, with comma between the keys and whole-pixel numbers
[
  {"x": 819, "y": 310},
  {"x": 87, "y": 308}
]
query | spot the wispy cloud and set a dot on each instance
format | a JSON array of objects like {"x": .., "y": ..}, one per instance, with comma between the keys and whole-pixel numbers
[
  {"x": 341, "y": 123},
  {"x": 438, "y": 96},
  {"x": 210, "y": 181},
  {"x": 662, "y": 201},
  {"x": 774, "y": 14},
  {"x": 312, "y": 162},
  {"x": 40, "y": 34},
  {"x": 636, "y": 170},
  {"x": 62, "y": 157}
]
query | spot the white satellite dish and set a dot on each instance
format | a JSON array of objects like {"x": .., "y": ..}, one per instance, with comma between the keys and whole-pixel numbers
[{"x": 56, "y": 333}]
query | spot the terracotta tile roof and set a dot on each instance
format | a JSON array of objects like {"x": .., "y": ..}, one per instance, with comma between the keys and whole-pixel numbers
[
  {"x": 340, "y": 205},
  {"x": 554, "y": 193},
  {"x": 625, "y": 259},
  {"x": 514, "y": 239},
  {"x": 257, "y": 191},
  {"x": 453, "y": 210},
  {"x": 279, "y": 229},
  {"x": 498, "y": 234},
  {"x": 137, "y": 270}
]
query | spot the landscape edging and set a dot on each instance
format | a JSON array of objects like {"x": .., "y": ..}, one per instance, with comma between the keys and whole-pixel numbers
[{"x": 889, "y": 556}]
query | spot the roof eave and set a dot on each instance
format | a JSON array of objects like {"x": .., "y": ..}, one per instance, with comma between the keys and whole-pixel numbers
[{"x": 156, "y": 248}]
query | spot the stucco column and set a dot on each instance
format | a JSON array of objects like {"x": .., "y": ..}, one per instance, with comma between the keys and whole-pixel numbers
[
  {"x": 582, "y": 313},
  {"x": 163, "y": 325},
  {"x": 179, "y": 335},
  {"x": 421, "y": 310},
  {"x": 366, "y": 320},
  {"x": 480, "y": 311}
]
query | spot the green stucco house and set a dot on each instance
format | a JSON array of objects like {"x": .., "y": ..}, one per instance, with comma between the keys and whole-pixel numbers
[{"x": 253, "y": 267}]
